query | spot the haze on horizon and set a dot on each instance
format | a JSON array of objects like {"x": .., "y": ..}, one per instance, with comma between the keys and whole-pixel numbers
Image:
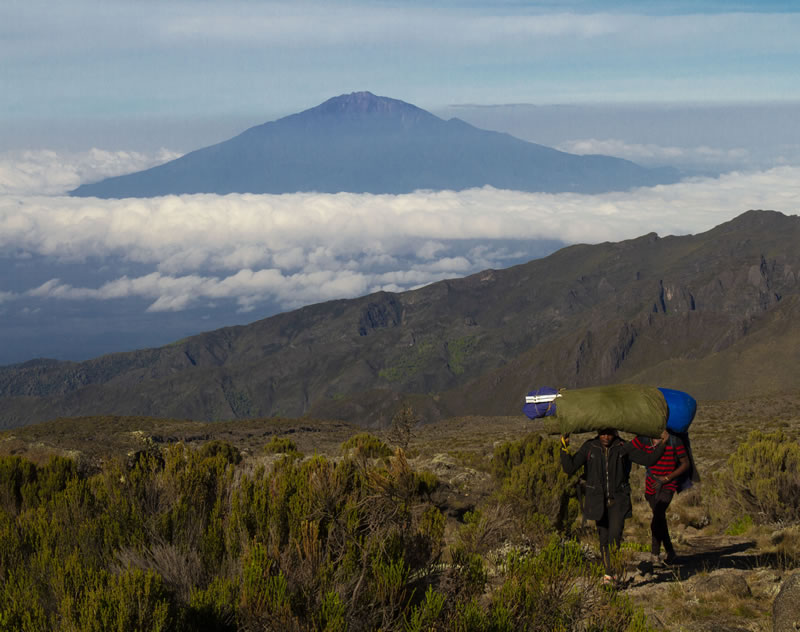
[{"x": 93, "y": 89}]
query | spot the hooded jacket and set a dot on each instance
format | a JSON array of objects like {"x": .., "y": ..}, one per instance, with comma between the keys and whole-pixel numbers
[{"x": 607, "y": 472}]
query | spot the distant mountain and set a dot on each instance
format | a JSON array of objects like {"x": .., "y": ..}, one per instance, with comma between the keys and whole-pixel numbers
[
  {"x": 363, "y": 143},
  {"x": 716, "y": 314}
]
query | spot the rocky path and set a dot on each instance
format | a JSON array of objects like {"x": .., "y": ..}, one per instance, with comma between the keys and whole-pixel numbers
[{"x": 719, "y": 584}]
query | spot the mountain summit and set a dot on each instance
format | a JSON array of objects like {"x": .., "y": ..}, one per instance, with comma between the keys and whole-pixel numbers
[
  {"x": 362, "y": 143},
  {"x": 358, "y": 104}
]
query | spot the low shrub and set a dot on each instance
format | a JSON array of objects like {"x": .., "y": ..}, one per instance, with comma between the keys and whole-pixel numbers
[
  {"x": 558, "y": 589},
  {"x": 762, "y": 478},
  {"x": 280, "y": 445},
  {"x": 533, "y": 481},
  {"x": 740, "y": 525},
  {"x": 216, "y": 448},
  {"x": 185, "y": 539},
  {"x": 554, "y": 589},
  {"x": 367, "y": 445}
]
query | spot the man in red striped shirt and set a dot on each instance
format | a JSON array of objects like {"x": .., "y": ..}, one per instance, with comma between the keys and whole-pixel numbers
[{"x": 660, "y": 486}]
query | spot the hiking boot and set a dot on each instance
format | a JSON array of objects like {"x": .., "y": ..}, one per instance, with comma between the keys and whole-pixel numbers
[{"x": 671, "y": 558}]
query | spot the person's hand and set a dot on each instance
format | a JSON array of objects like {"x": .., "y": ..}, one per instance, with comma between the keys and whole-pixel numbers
[{"x": 564, "y": 441}]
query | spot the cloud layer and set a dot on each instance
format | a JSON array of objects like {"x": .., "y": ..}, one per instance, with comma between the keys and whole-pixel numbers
[
  {"x": 51, "y": 173},
  {"x": 297, "y": 249},
  {"x": 701, "y": 156}
]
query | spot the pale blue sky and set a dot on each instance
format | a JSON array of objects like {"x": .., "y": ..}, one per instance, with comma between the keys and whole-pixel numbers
[{"x": 117, "y": 64}]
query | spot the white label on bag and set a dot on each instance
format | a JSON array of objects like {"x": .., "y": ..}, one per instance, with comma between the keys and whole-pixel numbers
[{"x": 540, "y": 399}]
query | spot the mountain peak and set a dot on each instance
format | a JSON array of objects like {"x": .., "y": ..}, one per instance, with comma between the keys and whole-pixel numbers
[
  {"x": 364, "y": 143},
  {"x": 361, "y": 103}
]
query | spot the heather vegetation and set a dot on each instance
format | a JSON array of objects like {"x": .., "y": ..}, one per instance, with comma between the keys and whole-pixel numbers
[
  {"x": 187, "y": 539},
  {"x": 762, "y": 479},
  {"x": 453, "y": 532}
]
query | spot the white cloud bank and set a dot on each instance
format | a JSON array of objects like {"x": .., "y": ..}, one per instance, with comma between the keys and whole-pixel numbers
[
  {"x": 51, "y": 173},
  {"x": 304, "y": 248},
  {"x": 701, "y": 156}
]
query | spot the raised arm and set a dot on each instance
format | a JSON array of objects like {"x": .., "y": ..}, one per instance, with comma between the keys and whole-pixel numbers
[
  {"x": 570, "y": 463},
  {"x": 646, "y": 457}
]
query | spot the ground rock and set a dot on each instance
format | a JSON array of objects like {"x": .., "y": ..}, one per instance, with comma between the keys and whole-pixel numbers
[
  {"x": 727, "y": 582},
  {"x": 786, "y": 607}
]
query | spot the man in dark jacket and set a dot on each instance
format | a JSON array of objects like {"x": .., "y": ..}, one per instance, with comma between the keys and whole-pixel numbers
[{"x": 607, "y": 465}]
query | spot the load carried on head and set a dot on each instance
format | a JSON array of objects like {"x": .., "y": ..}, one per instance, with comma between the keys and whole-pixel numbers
[{"x": 641, "y": 410}]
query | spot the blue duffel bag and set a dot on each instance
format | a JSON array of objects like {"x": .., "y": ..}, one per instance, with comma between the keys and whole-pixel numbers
[
  {"x": 682, "y": 408},
  {"x": 541, "y": 402}
]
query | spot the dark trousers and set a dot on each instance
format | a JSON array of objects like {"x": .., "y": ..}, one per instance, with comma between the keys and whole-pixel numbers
[
  {"x": 658, "y": 526},
  {"x": 609, "y": 532}
]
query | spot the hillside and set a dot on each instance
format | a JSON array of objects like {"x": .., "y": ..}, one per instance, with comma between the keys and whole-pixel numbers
[
  {"x": 362, "y": 143},
  {"x": 713, "y": 314}
]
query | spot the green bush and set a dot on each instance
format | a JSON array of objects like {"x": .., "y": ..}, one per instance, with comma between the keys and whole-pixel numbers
[
  {"x": 216, "y": 448},
  {"x": 280, "y": 445},
  {"x": 425, "y": 617},
  {"x": 131, "y": 602},
  {"x": 740, "y": 525},
  {"x": 214, "y": 607},
  {"x": 467, "y": 574},
  {"x": 345, "y": 537},
  {"x": 367, "y": 445},
  {"x": 533, "y": 481},
  {"x": 762, "y": 479},
  {"x": 558, "y": 589},
  {"x": 20, "y": 603},
  {"x": 184, "y": 539},
  {"x": 16, "y": 473}
]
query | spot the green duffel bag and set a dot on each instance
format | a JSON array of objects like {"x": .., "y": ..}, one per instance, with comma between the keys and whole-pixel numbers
[{"x": 630, "y": 408}]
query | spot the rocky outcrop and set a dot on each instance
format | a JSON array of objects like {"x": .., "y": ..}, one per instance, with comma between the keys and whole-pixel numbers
[
  {"x": 378, "y": 314},
  {"x": 786, "y": 607}
]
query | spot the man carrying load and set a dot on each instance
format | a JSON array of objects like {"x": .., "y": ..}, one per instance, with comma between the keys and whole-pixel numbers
[
  {"x": 660, "y": 485},
  {"x": 606, "y": 460}
]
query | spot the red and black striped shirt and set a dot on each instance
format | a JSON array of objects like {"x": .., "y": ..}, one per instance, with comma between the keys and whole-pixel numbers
[{"x": 668, "y": 463}]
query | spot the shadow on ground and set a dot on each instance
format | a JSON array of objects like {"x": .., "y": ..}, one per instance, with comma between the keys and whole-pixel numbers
[{"x": 704, "y": 555}]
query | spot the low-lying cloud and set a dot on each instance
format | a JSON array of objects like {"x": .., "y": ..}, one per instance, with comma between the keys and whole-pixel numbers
[
  {"x": 84, "y": 276},
  {"x": 304, "y": 248},
  {"x": 699, "y": 157},
  {"x": 51, "y": 173}
]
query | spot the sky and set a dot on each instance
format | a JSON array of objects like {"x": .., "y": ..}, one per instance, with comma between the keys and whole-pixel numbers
[{"x": 91, "y": 89}]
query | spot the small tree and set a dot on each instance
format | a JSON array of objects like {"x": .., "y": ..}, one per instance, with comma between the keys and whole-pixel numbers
[{"x": 403, "y": 424}]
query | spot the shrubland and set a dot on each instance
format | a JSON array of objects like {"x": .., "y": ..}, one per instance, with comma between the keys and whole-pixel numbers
[
  {"x": 207, "y": 535},
  {"x": 177, "y": 538}
]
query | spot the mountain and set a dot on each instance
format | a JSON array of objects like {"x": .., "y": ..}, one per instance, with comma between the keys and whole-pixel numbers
[
  {"x": 716, "y": 314},
  {"x": 363, "y": 143}
]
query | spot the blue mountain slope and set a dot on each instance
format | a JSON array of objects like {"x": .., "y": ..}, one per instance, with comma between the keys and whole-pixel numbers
[{"x": 363, "y": 143}]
